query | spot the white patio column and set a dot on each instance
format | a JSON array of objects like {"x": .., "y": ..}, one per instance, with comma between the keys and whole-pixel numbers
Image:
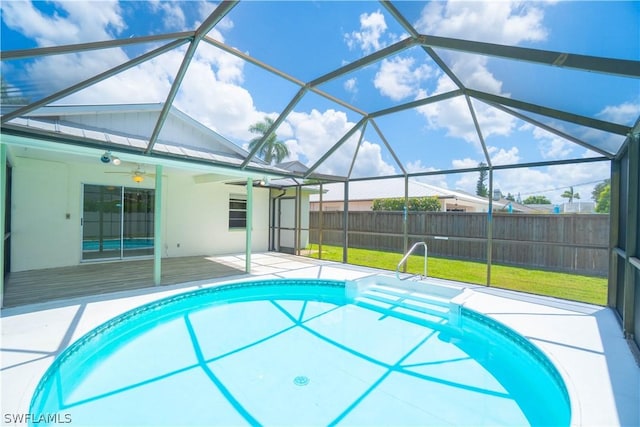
[
  {"x": 249, "y": 226},
  {"x": 157, "y": 229}
]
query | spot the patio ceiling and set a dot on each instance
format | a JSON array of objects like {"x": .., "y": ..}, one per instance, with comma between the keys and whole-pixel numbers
[{"x": 409, "y": 96}]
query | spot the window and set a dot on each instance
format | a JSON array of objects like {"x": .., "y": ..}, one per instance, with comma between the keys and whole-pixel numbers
[{"x": 237, "y": 211}]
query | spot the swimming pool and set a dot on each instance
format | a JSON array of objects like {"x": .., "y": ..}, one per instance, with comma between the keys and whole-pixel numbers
[{"x": 303, "y": 352}]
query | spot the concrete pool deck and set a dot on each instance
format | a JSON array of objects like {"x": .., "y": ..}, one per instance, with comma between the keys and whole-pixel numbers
[{"x": 585, "y": 342}]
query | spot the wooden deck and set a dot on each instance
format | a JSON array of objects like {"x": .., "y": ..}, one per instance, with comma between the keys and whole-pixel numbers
[{"x": 35, "y": 286}]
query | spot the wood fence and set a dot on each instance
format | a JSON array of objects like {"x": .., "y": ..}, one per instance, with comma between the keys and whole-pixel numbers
[{"x": 576, "y": 243}]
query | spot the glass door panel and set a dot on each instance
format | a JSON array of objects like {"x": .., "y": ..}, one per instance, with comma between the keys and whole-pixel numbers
[
  {"x": 117, "y": 222},
  {"x": 137, "y": 224},
  {"x": 102, "y": 222}
]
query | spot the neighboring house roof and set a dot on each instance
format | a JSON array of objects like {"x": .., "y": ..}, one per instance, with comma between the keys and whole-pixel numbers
[
  {"x": 130, "y": 126},
  {"x": 503, "y": 205},
  {"x": 394, "y": 187},
  {"x": 293, "y": 166}
]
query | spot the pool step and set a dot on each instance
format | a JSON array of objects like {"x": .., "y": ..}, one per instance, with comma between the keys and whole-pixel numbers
[
  {"x": 413, "y": 296},
  {"x": 405, "y": 305}
]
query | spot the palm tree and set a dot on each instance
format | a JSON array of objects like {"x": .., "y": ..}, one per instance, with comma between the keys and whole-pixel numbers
[
  {"x": 569, "y": 194},
  {"x": 273, "y": 149}
]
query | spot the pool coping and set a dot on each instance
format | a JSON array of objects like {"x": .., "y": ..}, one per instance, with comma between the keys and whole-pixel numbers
[{"x": 584, "y": 341}]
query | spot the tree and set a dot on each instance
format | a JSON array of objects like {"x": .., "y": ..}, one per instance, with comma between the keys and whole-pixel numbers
[
  {"x": 273, "y": 149},
  {"x": 570, "y": 194},
  {"x": 599, "y": 188},
  {"x": 536, "y": 200},
  {"x": 602, "y": 195},
  {"x": 510, "y": 197},
  {"x": 481, "y": 187}
]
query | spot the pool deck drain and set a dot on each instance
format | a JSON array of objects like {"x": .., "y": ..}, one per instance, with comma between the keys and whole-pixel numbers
[{"x": 301, "y": 380}]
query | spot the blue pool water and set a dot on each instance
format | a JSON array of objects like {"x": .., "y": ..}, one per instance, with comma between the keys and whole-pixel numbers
[
  {"x": 301, "y": 352},
  {"x": 114, "y": 244}
]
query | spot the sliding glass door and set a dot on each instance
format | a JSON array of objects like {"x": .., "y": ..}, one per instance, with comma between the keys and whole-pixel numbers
[
  {"x": 117, "y": 222},
  {"x": 137, "y": 222}
]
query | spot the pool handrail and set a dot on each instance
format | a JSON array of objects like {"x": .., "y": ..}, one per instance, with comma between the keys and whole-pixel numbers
[{"x": 406, "y": 256}]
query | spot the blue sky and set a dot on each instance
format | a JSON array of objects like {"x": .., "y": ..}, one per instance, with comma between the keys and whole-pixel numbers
[{"x": 309, "y": 39}]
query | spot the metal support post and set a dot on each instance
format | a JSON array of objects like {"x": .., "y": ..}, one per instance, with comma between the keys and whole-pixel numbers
[
  {"x": 490, "y": 227},
  {"x": 345, "y": 225}
]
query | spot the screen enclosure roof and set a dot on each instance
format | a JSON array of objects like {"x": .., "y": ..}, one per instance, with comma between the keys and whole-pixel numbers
[{"x": 353, "y": 90}]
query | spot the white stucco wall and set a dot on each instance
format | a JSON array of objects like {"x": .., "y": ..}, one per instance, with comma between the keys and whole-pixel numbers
[
  {"x": 46, "y": 212},
  {"x": 197, "y": 218},
  {"x": 41, "y": 236}
]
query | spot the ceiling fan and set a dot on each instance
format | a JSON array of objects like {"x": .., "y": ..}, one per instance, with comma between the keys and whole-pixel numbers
[{"x": 137, "y": 175}]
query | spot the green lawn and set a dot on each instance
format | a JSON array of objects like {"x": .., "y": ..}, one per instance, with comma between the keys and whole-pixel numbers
[{"x": 562, "y": 285}]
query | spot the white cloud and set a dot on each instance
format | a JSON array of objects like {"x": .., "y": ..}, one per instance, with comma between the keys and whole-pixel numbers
[
  {"x": 466, "y": 182},
  {"x": 79, "y": 22},
  {"x": 454, "y": 116},
  {"x": 399, "y": 77},
  {"x": 550, "y": 182},
  {"x": 625, "y": 113},
  {"x": 294, "y": 150},
  {"x": 316, "y": 132},
  {"x": 464, "y": 163},
  {"x": 552, "y": 146},
  {"x": 231, "y": 114},
  {"x": 417, "y": 166},
  {"x": 504, "y": 22},
  {"x": 53, "y": 73},
  {"x": 75, "y": 22},
  {"x": 126, "y": 87},
  {"x": 525, "y": 181},
  {"x": 212, "y": 74},
  {"x": 369, "y": 162},
  {"x": 473, "y": 72},
  {"x": 372, "y": 29},
  {"x": 502, "y": 156},
  {"x": 228, "y": 68},
  {"x": 351, "y": 85},
  {"x": 173, "y": 15}
]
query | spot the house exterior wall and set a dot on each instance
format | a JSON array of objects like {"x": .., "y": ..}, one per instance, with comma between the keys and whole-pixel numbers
[
  {"x": 197, "y": 218},
  {"x": 41, "y": 236},
  {"x": 139, "y": 123},
  {"x": 47, "y": 210}
]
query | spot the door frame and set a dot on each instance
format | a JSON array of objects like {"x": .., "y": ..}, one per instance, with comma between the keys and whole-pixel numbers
[{"x": 122, "y": 252}]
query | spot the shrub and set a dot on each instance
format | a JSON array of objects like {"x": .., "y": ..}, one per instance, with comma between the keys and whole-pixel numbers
[{"x": 430, "y": 204}]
